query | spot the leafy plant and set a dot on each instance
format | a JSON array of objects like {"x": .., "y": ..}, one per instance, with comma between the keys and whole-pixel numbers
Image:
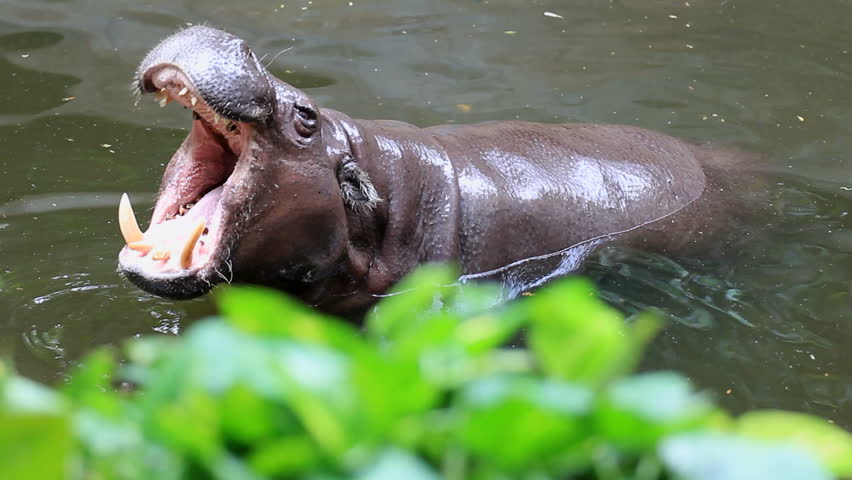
[{"x": 428, "y": 389}]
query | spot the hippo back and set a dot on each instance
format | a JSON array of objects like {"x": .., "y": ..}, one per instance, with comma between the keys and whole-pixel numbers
[{"x": 529, "y": 190}]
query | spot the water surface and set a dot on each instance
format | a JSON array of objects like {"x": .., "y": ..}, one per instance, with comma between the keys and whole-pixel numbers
[{"x": 767, "y": 326}]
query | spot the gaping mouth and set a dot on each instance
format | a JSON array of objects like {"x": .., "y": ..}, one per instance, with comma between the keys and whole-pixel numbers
[{"x": 187, "y": 234}]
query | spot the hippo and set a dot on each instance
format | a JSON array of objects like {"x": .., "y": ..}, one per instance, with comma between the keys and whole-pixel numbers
[{"x": 270, "y": 189}]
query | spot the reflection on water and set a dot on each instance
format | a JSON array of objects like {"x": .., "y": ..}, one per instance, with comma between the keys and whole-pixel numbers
[
  {"x": 766, "y": 325},
  {"x": 23, "y": 90},
  {"x": 775, "y": 320},
  {"x": 49, "y": 202}
]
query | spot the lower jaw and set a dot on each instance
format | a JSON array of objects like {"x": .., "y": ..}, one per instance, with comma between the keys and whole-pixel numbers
[
  {"x": 183, "y": 286},
  {"x": 173, "y": 248}
]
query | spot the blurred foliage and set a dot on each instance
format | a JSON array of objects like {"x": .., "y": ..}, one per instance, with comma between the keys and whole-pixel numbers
[{"x": 429, "y": 389}]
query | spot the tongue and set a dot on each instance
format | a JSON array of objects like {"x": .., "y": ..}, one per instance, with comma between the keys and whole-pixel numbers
[
  {"x": 204, "y": 208},
  {"x": 171, "y": 235}
]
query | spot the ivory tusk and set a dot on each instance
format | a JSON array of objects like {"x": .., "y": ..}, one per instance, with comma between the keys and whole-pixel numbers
[
  {"x": 186, "y": 251},
  {"x": 127, "y": 221}
]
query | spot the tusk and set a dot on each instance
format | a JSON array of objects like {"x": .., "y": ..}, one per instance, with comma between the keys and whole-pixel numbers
[
  {"x": 193, "y": 100},
  {"x": 161, "y": 255},
  {"x": 142, "y": 247},
  {"x": 183, "y": 91},
  {"x": 186, "y": 252},
  {"x": 127, "y": 221}
]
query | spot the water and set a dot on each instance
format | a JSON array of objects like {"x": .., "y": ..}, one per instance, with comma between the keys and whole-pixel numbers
[{"x": 768, "y": 326}]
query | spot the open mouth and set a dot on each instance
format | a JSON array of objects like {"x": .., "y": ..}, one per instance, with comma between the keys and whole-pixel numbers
[{"x": 187, "y": 231}]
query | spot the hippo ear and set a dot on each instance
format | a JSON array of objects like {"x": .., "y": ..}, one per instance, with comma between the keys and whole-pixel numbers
[{"x": 357, "y": 189}]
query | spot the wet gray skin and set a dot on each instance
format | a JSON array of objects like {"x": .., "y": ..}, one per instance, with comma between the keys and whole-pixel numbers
[
  {"x": 766, "y": 326},
  {"x": 337, "y": 210}
]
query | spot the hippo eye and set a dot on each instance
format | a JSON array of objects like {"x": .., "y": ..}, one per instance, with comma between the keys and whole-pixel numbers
[{"x": 306, "y": 120}]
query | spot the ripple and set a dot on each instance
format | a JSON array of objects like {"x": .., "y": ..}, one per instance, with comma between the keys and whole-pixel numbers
[{"x": 59, "y": 293}]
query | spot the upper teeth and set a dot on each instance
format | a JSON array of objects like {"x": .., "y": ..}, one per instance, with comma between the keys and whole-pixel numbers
[{"x": 162, "y": 97}]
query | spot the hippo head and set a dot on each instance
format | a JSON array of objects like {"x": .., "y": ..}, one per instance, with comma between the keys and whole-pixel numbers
[{"x": 263, "y": 186}]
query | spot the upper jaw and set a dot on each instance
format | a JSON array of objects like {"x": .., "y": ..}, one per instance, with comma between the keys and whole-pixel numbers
[
  {"x": 221, "y": 66},
  {"x": 186, "y": 248},
  {"x": 171, "y": 83}
]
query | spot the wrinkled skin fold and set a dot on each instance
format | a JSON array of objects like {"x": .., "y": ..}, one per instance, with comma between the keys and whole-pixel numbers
[{"x": 270, "y": 189}]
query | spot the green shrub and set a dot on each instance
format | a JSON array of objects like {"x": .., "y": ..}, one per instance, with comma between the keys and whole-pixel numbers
[{"x": 428, "y": 390}]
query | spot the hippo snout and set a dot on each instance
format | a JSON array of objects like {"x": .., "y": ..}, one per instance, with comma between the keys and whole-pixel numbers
[{"x": 222, "y": 68}]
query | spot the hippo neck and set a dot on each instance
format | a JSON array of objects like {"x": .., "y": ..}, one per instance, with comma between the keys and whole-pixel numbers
[{"x": 417, "y": 219}]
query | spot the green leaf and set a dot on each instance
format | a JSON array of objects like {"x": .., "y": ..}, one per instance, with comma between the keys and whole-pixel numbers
[
  {"x": 106, "y": 436},
  {"x": 189, "y": 425},
  {"x": 231, "y": 467},
  {"x": 320, "y": 393},
  {"x": 34, "y": 446},
  {"x": 394, "y": 464},
  {"x": 379, "y": 381},
  {"x": 90, "y": 383},
  {"x": 276, "y": 390},
  {"x": 285, "y": 456},
  {"x": 213, "y": 357},
  {"x": 712, "y": 456},
  {"x": 489, "y": 330},
  {"x": 636, "y": 412},
  {"x": 419, "y": 295},
  {"x": 516, "y": 421},
  {"x": 147, "y": 351},
  {"x": 249, "y": 418},
  {"x": 476, "y": 298},
  {"x": 116, "y": 448},
  {"x": 644, "y": 326},
  {"x": 826, "y": 441},
  {"x": 576, "y": 336},
  {"x": 265, "y": 312},
  {"x": 429, "y": 334},
  {"x": 18, "y": 394}
]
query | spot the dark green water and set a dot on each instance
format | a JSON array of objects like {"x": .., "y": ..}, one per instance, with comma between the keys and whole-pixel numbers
[{"x": 768, "y": 326}]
